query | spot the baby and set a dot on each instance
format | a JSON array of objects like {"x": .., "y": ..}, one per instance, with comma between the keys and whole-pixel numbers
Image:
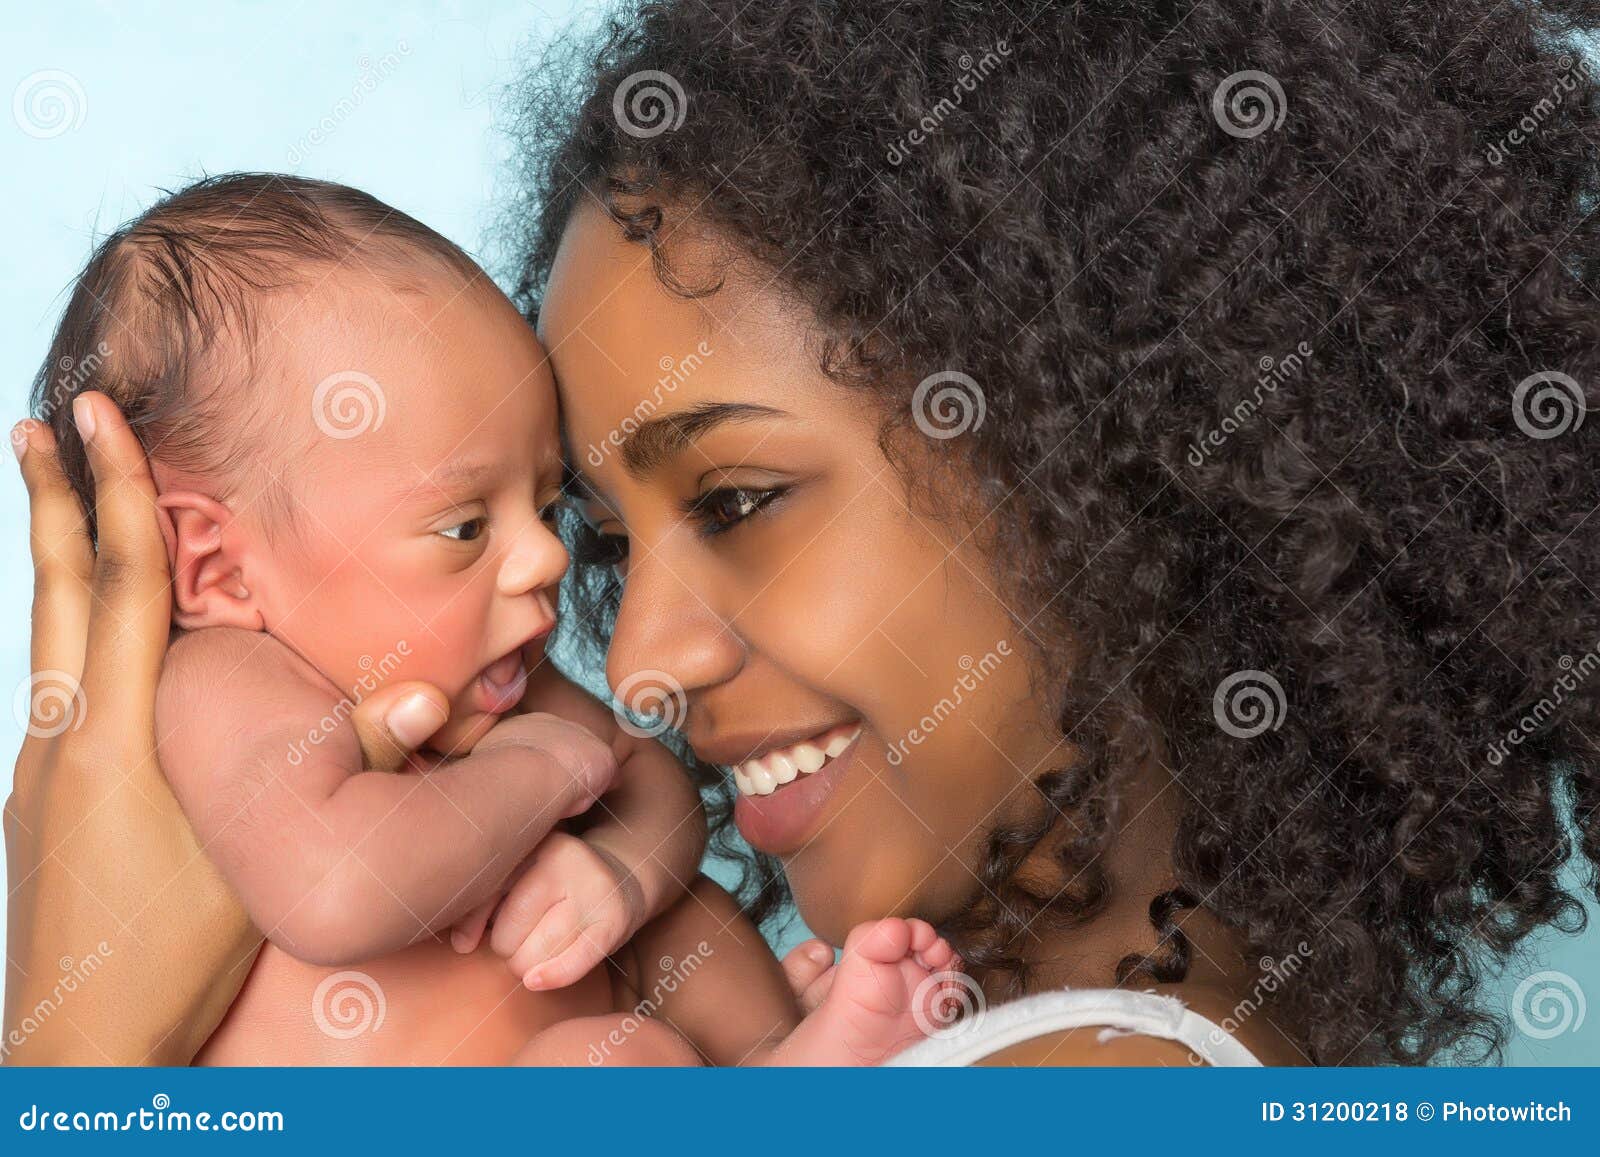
[{"x": 354, "y": 438}]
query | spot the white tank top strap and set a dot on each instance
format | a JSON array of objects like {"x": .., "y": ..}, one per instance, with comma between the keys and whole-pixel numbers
[{"x": 1114, "y": 1010}]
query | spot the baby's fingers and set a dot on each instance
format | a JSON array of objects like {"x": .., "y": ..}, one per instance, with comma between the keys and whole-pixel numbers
[
  {"x": 525, "y": 911},
  {"x": 468, "y": 932},
  {"x": 570, "y": 964},
  {"x": 551, "y": 935}
]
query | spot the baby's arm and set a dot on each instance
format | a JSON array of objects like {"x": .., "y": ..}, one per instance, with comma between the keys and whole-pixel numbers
[
  {"x": 333, "y": 863},
  {"x": 634, "y": 855},
  {"x": 699, "y": 986}
]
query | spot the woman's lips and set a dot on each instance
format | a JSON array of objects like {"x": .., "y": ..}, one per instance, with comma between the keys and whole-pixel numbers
[
  {"x": 780, "y": 821},
  {"x": 499, "y": 688}
]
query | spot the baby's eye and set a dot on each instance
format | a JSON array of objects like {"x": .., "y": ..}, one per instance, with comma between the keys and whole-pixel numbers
[{"x": 466, "y": 531}]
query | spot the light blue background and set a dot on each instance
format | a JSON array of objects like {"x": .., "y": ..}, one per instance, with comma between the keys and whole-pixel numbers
[{"x": 173, "y": 91}]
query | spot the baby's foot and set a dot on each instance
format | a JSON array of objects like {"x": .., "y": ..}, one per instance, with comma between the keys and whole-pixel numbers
[{"x": 877, "y": 999}]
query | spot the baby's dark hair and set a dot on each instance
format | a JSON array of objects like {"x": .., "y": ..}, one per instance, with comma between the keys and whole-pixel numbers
[
  {"x": 147, "y": 315},
  {"x": 1285, "y": 317}
]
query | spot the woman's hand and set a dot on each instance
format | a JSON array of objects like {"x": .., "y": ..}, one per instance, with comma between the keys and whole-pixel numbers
[{"x": 124, "y": 945}]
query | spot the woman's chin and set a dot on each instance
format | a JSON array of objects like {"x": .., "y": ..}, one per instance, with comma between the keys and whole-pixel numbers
[{"x": 832, "y": 905}]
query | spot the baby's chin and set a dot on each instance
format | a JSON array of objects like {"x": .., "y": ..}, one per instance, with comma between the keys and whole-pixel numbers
[{"x": 493, "y": 694}]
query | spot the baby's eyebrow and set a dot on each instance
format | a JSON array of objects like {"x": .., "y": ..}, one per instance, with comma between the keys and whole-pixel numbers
[{"x": 457, "y": 474}]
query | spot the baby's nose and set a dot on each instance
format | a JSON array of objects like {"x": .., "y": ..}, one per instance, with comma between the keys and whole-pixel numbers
[{"x": 537, "y": 559}]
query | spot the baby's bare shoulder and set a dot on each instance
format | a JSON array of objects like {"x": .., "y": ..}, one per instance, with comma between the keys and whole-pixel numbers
[
  {"x": 235, "y": 708},
  {"x": 220, "y": 686},
  {"x": 220, "y": 661}
]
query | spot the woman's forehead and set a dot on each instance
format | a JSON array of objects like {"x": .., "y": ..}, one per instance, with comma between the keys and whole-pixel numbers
[{"x": 606, "y": 301}]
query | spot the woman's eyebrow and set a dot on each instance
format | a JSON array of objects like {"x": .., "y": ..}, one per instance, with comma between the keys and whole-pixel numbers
[{"x": 656, "y": 441}]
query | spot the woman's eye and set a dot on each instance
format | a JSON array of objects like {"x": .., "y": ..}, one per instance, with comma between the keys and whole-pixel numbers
[
  {"x": 466, "y": 531},
  {"x": 592, "y": 548},
  {"x": 726, "y": 507}
]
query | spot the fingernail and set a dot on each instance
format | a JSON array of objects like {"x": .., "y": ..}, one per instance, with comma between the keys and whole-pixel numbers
[
  {"x": 412, "y": 720},
  {"x": 821, "y": 953},
  {"x": 531, "y": 981},
  {"x": 459, "y": 941},
  {"x": 83, "y": 415},
  {"x": 19, "y": 438}
]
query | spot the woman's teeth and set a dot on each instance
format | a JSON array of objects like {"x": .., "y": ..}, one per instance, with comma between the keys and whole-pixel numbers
[{"x": 783, "y": 765}]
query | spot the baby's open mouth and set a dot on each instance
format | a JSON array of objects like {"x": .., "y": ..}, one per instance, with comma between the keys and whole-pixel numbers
[
  {"x": 783, "y": 765},
  {"x": 501, "y": 684}
]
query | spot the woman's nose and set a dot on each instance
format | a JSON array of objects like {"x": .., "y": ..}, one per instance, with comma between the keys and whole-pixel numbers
[
  {"x": 535, "y": 559},
  {"x": 665, "y": 632}
]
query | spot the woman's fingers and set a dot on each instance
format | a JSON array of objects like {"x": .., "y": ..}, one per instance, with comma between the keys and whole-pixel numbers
[
  {"x": 394, "y": 721},
  {"x": 63, "y": 560},
  {"x": 132, "y": 606}
]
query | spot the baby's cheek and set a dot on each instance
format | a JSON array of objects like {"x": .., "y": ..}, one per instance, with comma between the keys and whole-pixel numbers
[{"x": 457, "y": 639}]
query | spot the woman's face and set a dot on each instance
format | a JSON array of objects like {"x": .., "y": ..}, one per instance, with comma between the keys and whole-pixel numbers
[{"x": 776, "y": 572}]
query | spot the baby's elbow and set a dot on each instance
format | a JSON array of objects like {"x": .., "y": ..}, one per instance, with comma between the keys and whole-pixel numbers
[{"x": 330, "y": 925}]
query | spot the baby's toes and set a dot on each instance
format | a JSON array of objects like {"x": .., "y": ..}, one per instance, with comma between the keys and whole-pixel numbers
[
  {"x": 922, "y": 935},
  {"x": 937, "y": 956},
  {"x": 880, "y": 942}
]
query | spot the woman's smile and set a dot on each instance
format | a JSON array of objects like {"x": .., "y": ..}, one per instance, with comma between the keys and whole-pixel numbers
[{"x": 784, "y": 790}]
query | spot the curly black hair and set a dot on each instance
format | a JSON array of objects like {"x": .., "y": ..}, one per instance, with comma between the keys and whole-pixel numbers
[{"x": 1284, "y": 316}]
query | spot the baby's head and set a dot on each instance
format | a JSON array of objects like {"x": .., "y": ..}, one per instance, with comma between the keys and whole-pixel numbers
[{"x": 352, "y": 431}]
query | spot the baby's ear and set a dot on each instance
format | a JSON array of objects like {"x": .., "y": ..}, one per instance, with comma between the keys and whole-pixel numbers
[{"x": 207, "y": 574}]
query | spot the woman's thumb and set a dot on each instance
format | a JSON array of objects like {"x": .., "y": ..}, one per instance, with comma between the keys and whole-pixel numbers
[{"x": 397, "y": 720}]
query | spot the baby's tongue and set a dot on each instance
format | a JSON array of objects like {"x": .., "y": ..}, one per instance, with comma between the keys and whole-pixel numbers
[{"x": 502, "y": 672}]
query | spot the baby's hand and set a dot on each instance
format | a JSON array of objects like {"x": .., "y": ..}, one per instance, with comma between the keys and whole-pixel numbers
[
  {"x": 589, "y": 762},
  {"x": 571, "y": 907}
]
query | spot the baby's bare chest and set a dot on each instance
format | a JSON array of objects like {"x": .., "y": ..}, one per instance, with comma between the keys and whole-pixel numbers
[{"x": 427, "y": 1005}]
